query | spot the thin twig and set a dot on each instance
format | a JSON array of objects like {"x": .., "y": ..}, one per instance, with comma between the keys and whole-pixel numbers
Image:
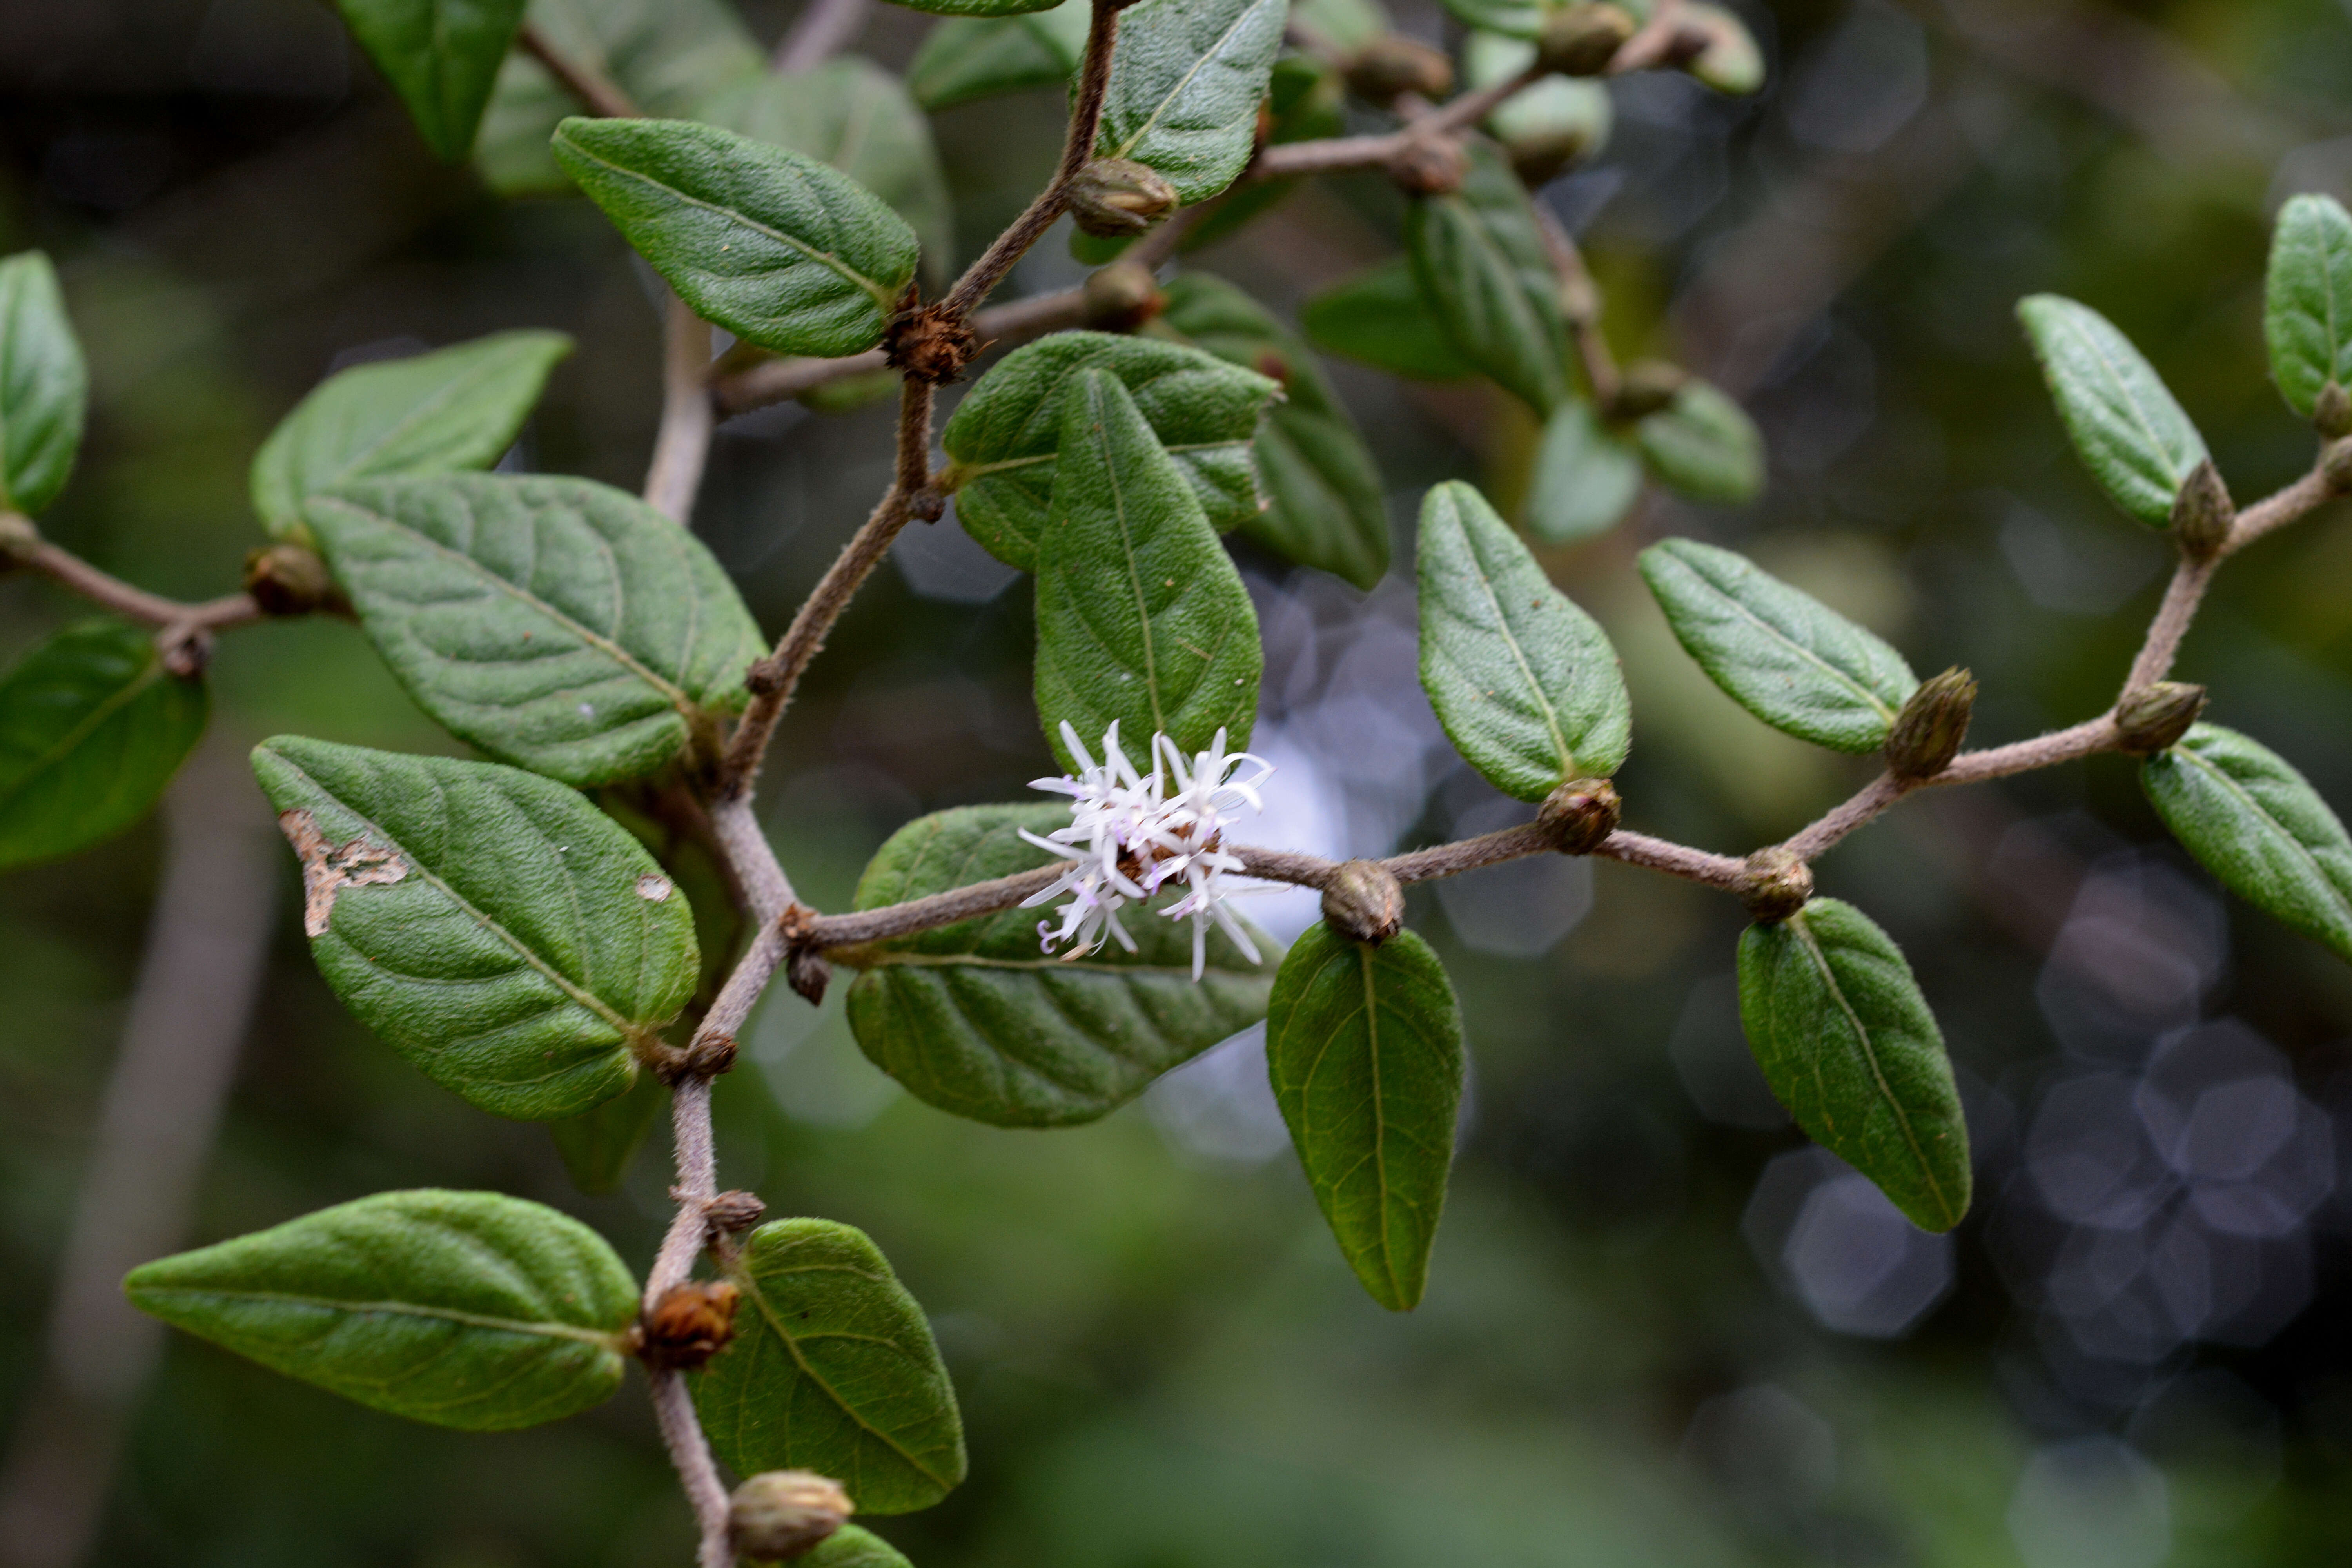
[
  {"x": 821, "y": 30},
  {"x": 105, "y": 589},
  {"x": 596, "y": 91},
  {"x": 1579, "y": 303},
  {"x": 2299, "y": 499},
  {"x": 682, "y": 442},
  {"x": 689, "y": 1451}
]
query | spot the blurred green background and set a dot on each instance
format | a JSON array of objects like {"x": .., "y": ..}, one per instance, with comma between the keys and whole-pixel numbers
[{"x": 1660, "y": 1331}]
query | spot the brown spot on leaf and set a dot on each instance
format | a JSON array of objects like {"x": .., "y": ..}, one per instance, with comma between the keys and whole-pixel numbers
[
  {"x": 653, "y": 887},
  {"x": 328, "y": 869}
]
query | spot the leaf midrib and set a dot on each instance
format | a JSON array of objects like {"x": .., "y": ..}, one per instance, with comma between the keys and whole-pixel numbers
[
  {"x": 2228, "y": 783},
  {"x": 1127, "y": 148},
  {"x": 1869, "y": 697},
  {"x": 1527, "y": 672},
  {"x": 114, "y": 703},
  {"x": 597, "y": 1337}
]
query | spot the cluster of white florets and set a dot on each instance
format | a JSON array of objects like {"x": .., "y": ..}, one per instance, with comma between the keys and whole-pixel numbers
[{"x": 1133, "y": 834}]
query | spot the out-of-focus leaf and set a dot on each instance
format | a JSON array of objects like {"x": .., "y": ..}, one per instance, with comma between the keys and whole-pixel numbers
[
  {"x": 1511, "y": 18},
  {"x": 1186, "y": 78},
  {"x": 508, "y": 938},
  {"x": 780, "y": 249},
  {"x": 1307, "y": 97},
  {"x": 452, "y": 409},
  {"x": 976, "y": 1019},
  {"x": 92, "y": 727},
  {"x": 1482, "y": 266},
  {"x": 1004, "y": 433},
  {"x": 977, "y": 7},
  {"x": 833, "y": 1369},
  {"x": 557, "y": 624},
  {"x": 850, "y": 1547},
  {"x": 467, "y": 1310},
  {"x": 1704, "y": 446},
  {"x": 1586, "y": 477},
  {"x": 1523, "y": 681},
  {"x": 597, "y": 1146},
  {"x": 1848, "y": 1045},
  {"x": 1730, "y": 61},
  {"x": 1363, "y": 1045},
  {"x": 1378, "y": 317},
  {"x": 1345, "y": 25},
  {"x": 2307, "y": 315},
  {"x": 1141, "y": 619},
  {"x": 441, "y": 57},
  {"x": 966, "y": 58},
  {"x": 2123, "y": 420},
  {"x": 2257, "y": 822},
  {"x": 1778, "y": 651},
  {"x": 43, "y": 386},
  {"x": 1545, "y": 126}
]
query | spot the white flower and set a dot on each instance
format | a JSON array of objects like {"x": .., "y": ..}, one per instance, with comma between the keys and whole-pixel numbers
[{"x": 1130, "y": 834}]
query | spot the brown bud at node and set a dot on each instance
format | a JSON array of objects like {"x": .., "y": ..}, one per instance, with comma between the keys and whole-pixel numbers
[
  {"x": 691, "y": 1323},
  {"x": 1539, "y": 157},
  {"x": 1391, "y": 64},
  {"x": 929, "y": 343},
  {"x": 184, "y": 650},
  {"x": 17, "y": 536},
  {"x": 1363, "y": 903},
  {"x": 2202, "y": 513},
  {"x": 1777, "y": 885},
  {"x": 1928, "y": 731},
  {"x": 927, "y": 505},
  {"x": 286, "y": 580},
  {"x": 2153, "y": 717},
  {"x": 1579, "y": 814},
  {"x": 808, "y": 973},
  {"x": 783, "y": 1513},
  {"x": 1583, "y": 39},
  {"x": 765, "y": 677},
  {"x": 1648, "y": 386},
  {"x": 1122, "y": 297},
  {"x": 734, "y": 1212},
  {"x": 1429, "y": 166},
  {"x": 1114, "y": 198},
  {"x": 2332, "y": 414}
]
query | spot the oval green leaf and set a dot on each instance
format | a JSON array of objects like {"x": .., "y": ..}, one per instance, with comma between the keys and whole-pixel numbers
[
  {"x": 1186, "y": 77},
  {"x": 2259, "y": 826},
  {"x": 1481, "y": 263},
  {"x": 1586, "y": 477},
  {"x": 1364, "y": 1048},
  {"x": 1704, "y": 446},
  {"x": 2308, "y": 307},
  {"x": 2123, "y": 420},
  {"x": 964, "y": 59},
  {"x": 833, "y": 1369},
  {"x": 493, "y": 927},
  {"x": 467, "y": 1310},
  {"x": 441, "y": 55},
  {"x": 850, "y": 1547},
  {"x": 1848, "y": 1045},
  {"x": 1379, "y": 318},
  {"x": 557, "y": 624},
  {"x": 43, "y": 386},
  {"x": 1776, "y": 650}
]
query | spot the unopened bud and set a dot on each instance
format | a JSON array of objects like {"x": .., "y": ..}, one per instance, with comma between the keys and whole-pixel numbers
[
  {"x": 1647, "y": 387},
  {"x": 691, "y": 1323},
  {"x": 1538, "y": 157},
  {"x": 1716, "y": 47},
  {"x": 1429, "y": 166},
  {"x": 1113, "y": 198},
  {"x": 808, "y": 973},
  {"x": 1928, "y": 731},
  {"x": 2332, "y": 414},
  {"x": 1391, "y": 64},
  {"x": 1583, "y": 39},
  {"x": 1579, "y": 814},
  {"x": 2153, "y": 717},
  {"x": 2202, "y": 513},
  {"x": 1777, "y": 885},
  {"x": 782, "y": 1514},
  {"x": 286, "y": 580},
  {"x": 1363, "y": 903},
  {"x": 1122, "y": 297},
  {"x": 734, "y": 1211}
]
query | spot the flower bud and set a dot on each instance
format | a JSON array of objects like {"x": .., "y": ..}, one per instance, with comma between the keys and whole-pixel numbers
[
  {"x": 1928, "y": 731},
  {"x": 1362, "y": 901},
  {"x": 1122, "y": 297},
  {"x": 1429, "y": 166},
  {"x": 2153, "y": 717},
  {"x": 734, "y": 1211},
  {"x": 1113, "y": 198},
  {"x": 691, "y": 1323},
  {"x": 1583, "y": 39},
  {"x": 2202, "y": 513},
  {"x": 2332, "y": 414},
  {"x": 1391, "y": 65},
  {"x": 1579, "y": 814},
  {"x": 1777, "y": 885},
  {"x": 287, "y": 580},
  {"x": 1647, "y": 387},
  {"x": 783, "y": 1513}
]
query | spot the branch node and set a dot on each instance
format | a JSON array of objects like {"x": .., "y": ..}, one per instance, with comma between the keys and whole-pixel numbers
[
  {"x": 2150, "y": 719},
  {"x": 1776, "y": 886},
  {"x": 1429, "y": 166},
  {"x": 185, "y": 648},
  {"x": 1363, "y": 902},
  {"x": 734, "y": 1212},
  {"x": 2202, "y": 513},
  {"x": 690, "y": 1323},
  {"x": 289, "y": 580},
  {"x": 929, "y": 343},
  {"x": 1928, "y": 733},
  {"x": 1580, "y": 815}
]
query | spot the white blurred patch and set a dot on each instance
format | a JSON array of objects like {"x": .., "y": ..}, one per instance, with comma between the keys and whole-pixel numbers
[
  {"x": 1862, "y": 84},
  {"x": 1765, "y": 1445},
  {"x": 2091, "y": 1502},
  {"x": 1711, "y": 1057},
  {"x": 1832, "y": 1240},
  {"x": 812, "y": 1062},
  {"x": 1520, "y": 908},
  {"x": 1220, "y": 1105},
  {"x": 941, "y": 561}
]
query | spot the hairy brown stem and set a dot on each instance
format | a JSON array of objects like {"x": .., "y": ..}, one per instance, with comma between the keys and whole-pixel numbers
[
  {"x": 19, "y": 544},
  {"x": 596, "y": 91}
]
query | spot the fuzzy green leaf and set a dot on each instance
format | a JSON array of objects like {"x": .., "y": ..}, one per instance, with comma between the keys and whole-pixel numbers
[
  {"x": 1345, "y": 25},
  {"x": 560, "y": 625},
  {"x": 966, "y": 58},
  {"x": 92, "y": 727},
  {"x": 441, "y": 55},
  {"x": 2256, "y": 823},
  {"x": 1586, "y": 479},
  {"x": 1186, "y": 77},
  {"x": 1481, "y": 263},
  {"x": 43, "y": 386},
  {"x": 1005, "y": 431},
  {"x": 780, "y": 249},
  {"x": 1704, "y": 446},
  {"x": 2123, "y": 420},
  {"x": 444, "y": 412},
  {"x": 1524, "y": 682},
  {"x": 1848, "y": 1045},
  {"x": 509, "y": 939},
  {"x": 467, "y": 1310},
  {"x": 833, "y": 1369},
  {"x": 1364, "y": 1048},
  {"x": 850, "y": 1547},
  {"x": 1141, "y": 619},
  {"x": 1379, "y": 318},
  {"x": 1778, "y": 651},
  {"x": 2307, "y": 314},
  {"x": 976, "y": 1019},
  {"x": 977, "y": 7}
]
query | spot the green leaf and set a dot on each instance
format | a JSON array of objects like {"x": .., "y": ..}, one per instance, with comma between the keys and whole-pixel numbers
[
  {"x": 856, "y": 116},
  {"x": 465, "y": 1310},
  {"x": 976, "y": 1019},
  {"x": 509, "y": 939},
  {"x": 668, "y": 56},
  {"x": 2256, "y": 823},
  {"x": 1345, "y": 25},
  {"x": 964, "y": 59},
  {"x": 1186, "y": 77},
  {"x": 1481, "y": 263},
  {"x": 1141, "y": 619},
  {"x": 598, "y": 1146},
  {"x": 1512, "y": 18},
  {"x": 452, "y": 409},
  {"x": 1364, "y": 1047},
  {"x": 850, "y": 1547},
  {"x": 43, "y": 386},
  {"x": 1586, "y": 477},
  {"x": 1704, "y": 446},
  {"x": 1778, "y": 651},
  {"x": 1325, "y": 506},
  {"x": 833, "y": 1369},
  {"x": 977, "y": 7},
  {"x": 1524, "y": 682},
  {"x": 1556, "y": 120},
  {"x": 2125, "y": 424},
  {"x": 1307, "y": 98},
  {"x": 780, "y": 249},
  {"x": 2307, "y": 315},
  {"x": 441, "y": 57},
  {"x": 1848, "y": 1045},
  {"x": 557, "y": 624},
  {"x": 1005, "y": 431},
  {"x": 92, "y": 727},
  {"x": 1378, "y": 317}
]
